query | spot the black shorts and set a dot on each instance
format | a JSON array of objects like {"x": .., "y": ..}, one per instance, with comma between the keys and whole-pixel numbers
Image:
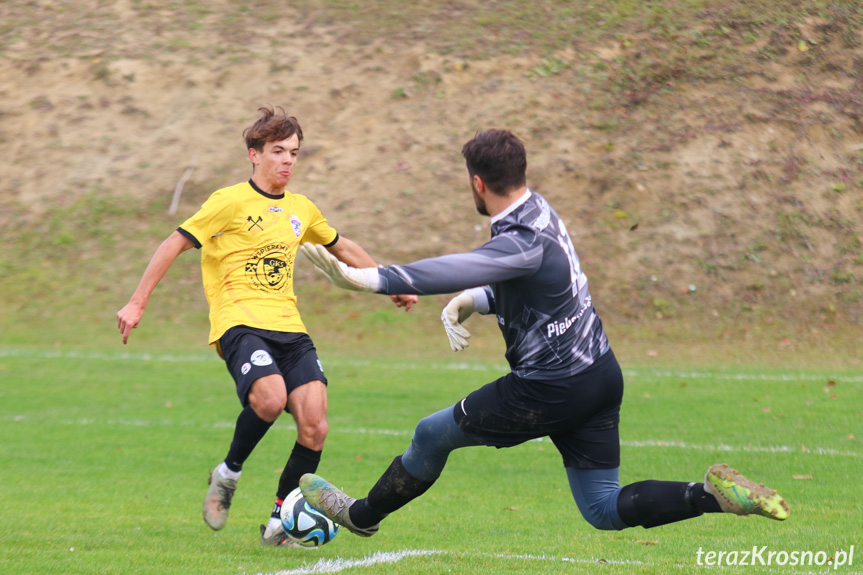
[
  {"x": 252, "y": 353},
  {"x": 580, "y": 414}
]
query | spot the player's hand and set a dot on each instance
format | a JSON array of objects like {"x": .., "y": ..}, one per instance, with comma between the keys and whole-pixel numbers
[
  {"x": 406, "y": 301},
  {"x": 339, "y": 273},
  {"x": 128, "y": 318},
  {"x": 456, "y": 311}
]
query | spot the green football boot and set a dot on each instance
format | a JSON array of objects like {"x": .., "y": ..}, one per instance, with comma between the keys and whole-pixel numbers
[{"x": 740, "y": 496}]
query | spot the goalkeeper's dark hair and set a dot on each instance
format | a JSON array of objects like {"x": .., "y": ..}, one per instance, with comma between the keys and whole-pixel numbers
[
  {"x": 498, "y": 157},
  {"x": 274, "y": 125}
]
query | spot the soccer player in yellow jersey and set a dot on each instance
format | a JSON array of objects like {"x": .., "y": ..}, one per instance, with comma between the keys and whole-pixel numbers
[{"x": 248, "y": 235}]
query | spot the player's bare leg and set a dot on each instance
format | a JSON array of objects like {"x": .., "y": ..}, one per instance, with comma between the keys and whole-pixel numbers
[
  {"x": 307, "y": 404},
  {"x": 266, "y": 403}
]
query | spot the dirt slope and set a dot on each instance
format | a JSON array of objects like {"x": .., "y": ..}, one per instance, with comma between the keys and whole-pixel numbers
[{"x": 712, "y": 176}]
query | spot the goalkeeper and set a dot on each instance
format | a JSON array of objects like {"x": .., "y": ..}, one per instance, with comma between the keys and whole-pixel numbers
[{"x": 565, "y": 382}]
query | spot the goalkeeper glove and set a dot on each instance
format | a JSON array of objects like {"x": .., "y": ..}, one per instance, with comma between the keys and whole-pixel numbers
[
  {"x": 456, "y": 311},
  {"x": 339, "y": 273}
]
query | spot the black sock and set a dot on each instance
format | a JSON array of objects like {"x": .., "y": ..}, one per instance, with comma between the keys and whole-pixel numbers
[
  {"x": 653, "y": 503},
  {"x": 702, "y": 500},
  {"x": 395, "y": 489},
  {"x": 362, "y": 516},
  {"x": 248, "y": 432},
  {"x": 302, "y": 460}
]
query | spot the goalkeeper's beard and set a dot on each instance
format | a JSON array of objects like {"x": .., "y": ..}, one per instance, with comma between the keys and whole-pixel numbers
[{"x": 478, "y": 201}]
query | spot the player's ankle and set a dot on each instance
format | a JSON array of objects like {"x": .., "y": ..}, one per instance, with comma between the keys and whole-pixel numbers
[
  {"x": 364, "y": 516},
  {"x": 277, "y": 509},
  {"x": 273, "y": 524},
  {"x": 227, "y": 473}
]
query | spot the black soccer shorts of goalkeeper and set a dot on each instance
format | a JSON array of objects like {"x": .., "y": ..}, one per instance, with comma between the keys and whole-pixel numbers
[
  {"x": 252, "y": 353},
  {"x": 580, "y": 413}
]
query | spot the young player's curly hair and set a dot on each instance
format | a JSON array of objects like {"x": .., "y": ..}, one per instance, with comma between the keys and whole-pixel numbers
[
  {"x": 274, "y": 125},
  {"x": 498, "y": 157}
]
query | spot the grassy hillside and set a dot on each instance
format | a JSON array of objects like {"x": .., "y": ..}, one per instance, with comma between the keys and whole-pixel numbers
[{"x": 707, "y": 155}]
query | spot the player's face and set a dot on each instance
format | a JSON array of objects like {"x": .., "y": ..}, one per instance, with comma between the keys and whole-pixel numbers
[
  {"x": 274, "y": 166},
  {"x": 477, "y": 200}
]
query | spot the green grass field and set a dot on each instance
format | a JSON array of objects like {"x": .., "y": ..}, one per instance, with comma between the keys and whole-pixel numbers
[{"x": 105, "y": 458}]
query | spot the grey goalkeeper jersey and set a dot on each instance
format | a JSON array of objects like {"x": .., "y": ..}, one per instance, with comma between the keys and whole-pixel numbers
[{"x": 531, "y": 279}]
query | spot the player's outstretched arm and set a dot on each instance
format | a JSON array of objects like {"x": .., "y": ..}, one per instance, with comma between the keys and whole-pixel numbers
[
  {"x": 406, "y": 301},
  {"x": 130, "y": 316},
  {"x": 351, "y": 253}
]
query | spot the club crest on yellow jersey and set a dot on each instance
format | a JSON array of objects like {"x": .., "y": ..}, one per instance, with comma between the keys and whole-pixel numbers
[{"x": 269, "y": 268}]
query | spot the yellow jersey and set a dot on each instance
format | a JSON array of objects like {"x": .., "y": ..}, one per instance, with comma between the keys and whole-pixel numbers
[{"x": 248, "y": 241}]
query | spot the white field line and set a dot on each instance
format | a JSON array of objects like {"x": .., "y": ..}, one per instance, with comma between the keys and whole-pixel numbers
[
  {"x": 339, "y": 564},
  {"x": 733, "y": 448},
  {"x": 643, "y": 443},
  {"x": 443, "y": 366}
]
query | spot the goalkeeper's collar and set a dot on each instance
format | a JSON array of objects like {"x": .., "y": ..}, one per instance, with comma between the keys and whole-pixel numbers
[{"x": 512, "y": 207}]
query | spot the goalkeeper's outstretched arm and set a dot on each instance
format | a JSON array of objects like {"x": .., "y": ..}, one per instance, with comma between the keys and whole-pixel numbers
[
  {"x": 503, "y": 258},
  {"x": 351, "y": 254}
]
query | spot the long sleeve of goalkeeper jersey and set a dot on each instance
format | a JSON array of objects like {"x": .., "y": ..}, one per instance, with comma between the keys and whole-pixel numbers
[
  {"x": 513, "y": 254},
  {"x": 536, "y": 288}
]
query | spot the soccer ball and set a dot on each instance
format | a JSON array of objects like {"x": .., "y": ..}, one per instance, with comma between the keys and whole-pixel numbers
[{"x": 304, "y": 525}]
